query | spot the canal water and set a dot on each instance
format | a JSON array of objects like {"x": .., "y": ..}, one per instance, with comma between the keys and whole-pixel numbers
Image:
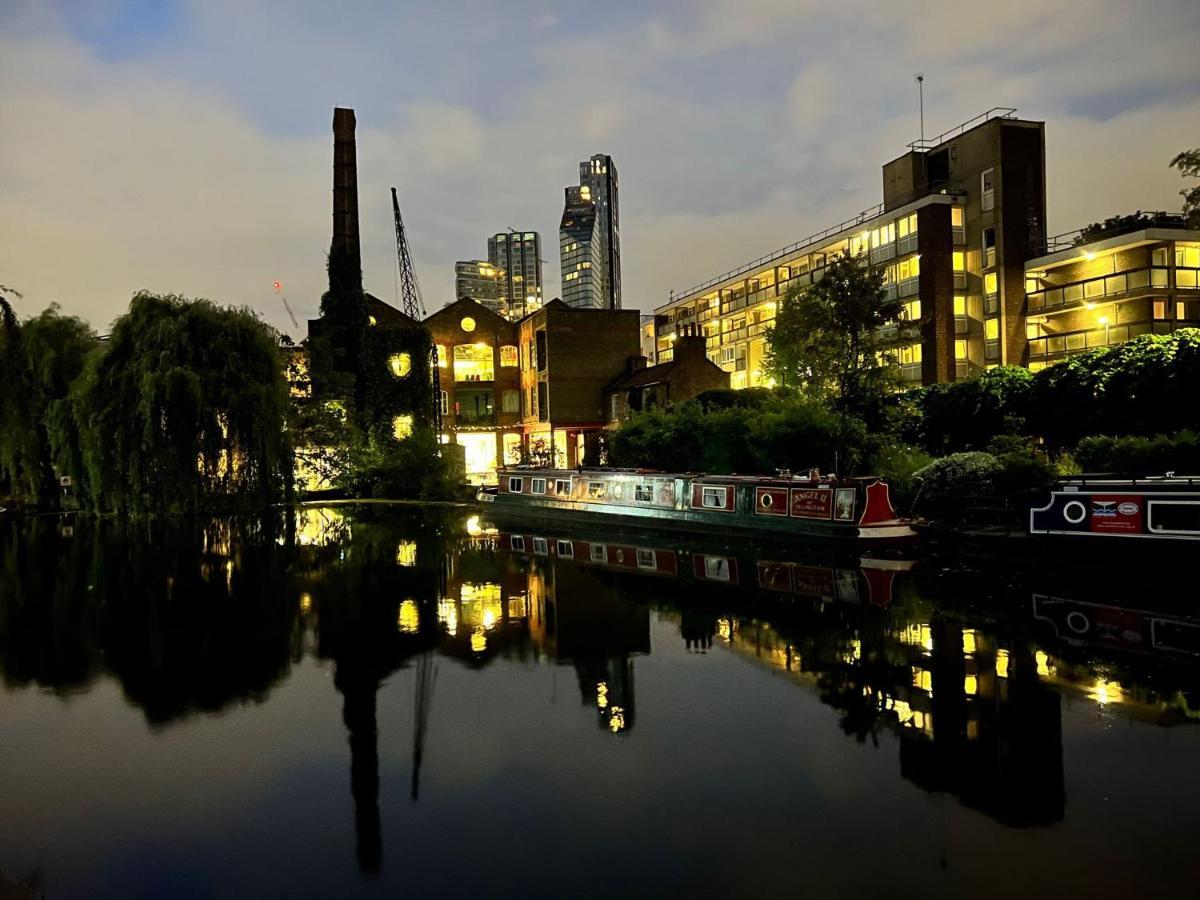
[{"x": 341, "y": 703}]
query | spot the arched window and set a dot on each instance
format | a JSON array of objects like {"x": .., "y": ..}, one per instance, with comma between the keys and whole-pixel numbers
[{"x": 400, "y": 363}]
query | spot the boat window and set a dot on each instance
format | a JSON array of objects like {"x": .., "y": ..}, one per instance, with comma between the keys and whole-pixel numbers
[
  {"x": 566, "y": 549},
  {"x": 713, "y": 497},
  {"x": 562, "y": 487},
  {"x": 538, "y": 486},
  {"x": 596, "y": 490},
  {"x": 615, "y": 490},
  {"x": 598, "y": 553},
  {"x": 643, "y": 493},
  {"x": 539, "y": 546},
  {"x": 646, "y": 559},
  {"x": 1174, "y": 516},
  {"x": 514, "y": 485},
  {"x": 517, "y": 542},
  {"x": 716, "y": 567},
  {"x": 843, "y": 504},
  {"x": 766, "y": 500}
]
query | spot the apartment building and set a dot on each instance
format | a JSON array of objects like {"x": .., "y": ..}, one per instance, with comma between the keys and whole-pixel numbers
[
  {"x": 482, "y": 282},
  {"x": 1102, "y": 286},
  {"x": 961, "y": 214},
  {"x": 568, "y": 356}
]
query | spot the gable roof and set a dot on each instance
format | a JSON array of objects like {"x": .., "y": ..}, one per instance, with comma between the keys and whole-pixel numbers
[
  {"x": 467, "y": 305},
  {"x": 641, "y": 377}
]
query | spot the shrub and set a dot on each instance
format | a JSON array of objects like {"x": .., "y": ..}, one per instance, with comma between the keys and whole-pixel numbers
[
  {"x": 896, "y": 464},
  {"x": 966, "y": 415},
  {"x": 940, "y": 488},
  {"x": 1140, "y": 455}
]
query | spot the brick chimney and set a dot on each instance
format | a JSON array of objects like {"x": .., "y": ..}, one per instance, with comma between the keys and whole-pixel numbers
[
  {"x": 689, "y": 343},
  {"x": 345, "y": 186}
]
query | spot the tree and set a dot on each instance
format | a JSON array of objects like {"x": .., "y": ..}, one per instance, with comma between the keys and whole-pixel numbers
[
  {"x": 184, "y": 410},
  {"x": 830, "y": 339},
  {"x": 1188, "y": 164}
]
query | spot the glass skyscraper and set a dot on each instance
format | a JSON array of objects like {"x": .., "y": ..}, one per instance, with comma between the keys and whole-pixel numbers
[{"x": 590, "y": 238}]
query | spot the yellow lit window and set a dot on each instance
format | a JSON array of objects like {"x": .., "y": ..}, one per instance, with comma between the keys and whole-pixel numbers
[
  {"x": 922, "y": 678},
  {"x": 991, "y": 329},
  {"x": 1180, "y": 310},
  {"x": 508, "y": 356},
  {"x": 989, "y": 283},
  {"x": 960, "y": 261},
  {"x": 473, "y": 362},
  {"x": 970, "y": 685},
  {"x": 372, "y": 320},
  {"x": 1186, "y": 256},
  {"x": 956, "y": 216},
  {"x": 1032, "y": 331},
  {"x": 960, "y": 349},
  {"x": 968, "y": 641},
  {"x": 400, "y": 364},
  {"x": 402, "y": 427},
  {"x": 406, "y": 553},
  {"x": 960, "y": 305},
  {"x": 907, "y": 225},
  {"x": 1002, "y": 663},
  {"x": 912, "y": 310}
]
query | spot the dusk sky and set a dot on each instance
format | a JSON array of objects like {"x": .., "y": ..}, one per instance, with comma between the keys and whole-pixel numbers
[{"x": 186, "y": 146}]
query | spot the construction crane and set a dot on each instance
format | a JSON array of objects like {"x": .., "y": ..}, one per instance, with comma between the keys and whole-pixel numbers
[
  {"x": 422, "y": 701},
  {"x": 280, "y": 294},
  {"x": 413, "y": 306}
]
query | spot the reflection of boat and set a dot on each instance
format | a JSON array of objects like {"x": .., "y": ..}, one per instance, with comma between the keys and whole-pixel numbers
[
  {"x": 856, "y": 509},
  {"x": 1163, "y": 509},
  {"x": 1118, "y": 627},
  {"x": 849, "y": 580}
]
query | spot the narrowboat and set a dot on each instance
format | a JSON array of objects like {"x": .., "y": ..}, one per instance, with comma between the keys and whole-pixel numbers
[
  {"x": 1158, "y": 508},
  {"x": 848, "y": 509}
]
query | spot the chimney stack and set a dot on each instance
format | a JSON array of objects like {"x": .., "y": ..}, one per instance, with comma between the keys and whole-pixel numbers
[{"x": 345, "y": 187}]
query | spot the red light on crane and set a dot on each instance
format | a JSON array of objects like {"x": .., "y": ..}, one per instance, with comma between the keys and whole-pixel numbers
[{"x": 278, "y": 285}]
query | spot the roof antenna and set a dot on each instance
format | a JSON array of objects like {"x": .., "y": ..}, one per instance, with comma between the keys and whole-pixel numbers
[{"x": 921, "y": 101}]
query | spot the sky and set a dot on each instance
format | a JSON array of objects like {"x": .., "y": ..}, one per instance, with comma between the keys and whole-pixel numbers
[{"x": 185, "y": 146}]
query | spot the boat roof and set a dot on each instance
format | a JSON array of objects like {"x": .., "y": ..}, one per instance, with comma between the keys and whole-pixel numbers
[{"x": 781, "y": 479}]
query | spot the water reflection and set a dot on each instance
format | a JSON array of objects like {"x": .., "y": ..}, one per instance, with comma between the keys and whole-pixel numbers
[{"x": 966, "y": 674}]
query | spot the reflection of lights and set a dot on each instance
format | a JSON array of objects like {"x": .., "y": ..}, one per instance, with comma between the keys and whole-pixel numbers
[
  {"x": 855, "y": 652},
  {"x": 489, "y": 619},
  {"x": 474, "y": 529},
  {"x": 229, "y": 576},
  {"x": 319, "y": 527},
  {"x": 478, "y": 641},
  {"x": 923, "y": 679},
  {"x": 970, "y": 685},
  {"x": 1001, "y": 663},
  {"x": 616, "y": 721},
  {"x": 725, "y": 629},
  {"x": 306, "y": 603},
  {"x": 1105, "y": 692},
  {"x": 968, "y": 642},
  {"x": 409, "y": 619},
  {"x": 972, "y": 729},
  {"x": 602, "y": 695},
  {"x": 1043, "y": 664},
  {"x": 406, "y": 553},
  {"x": 447, "y": 614}
]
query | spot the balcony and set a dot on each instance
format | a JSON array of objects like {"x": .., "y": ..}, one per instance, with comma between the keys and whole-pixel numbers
[
  {"x": 1105, "y": 287},
  {"x": 1056, "y": 346}
]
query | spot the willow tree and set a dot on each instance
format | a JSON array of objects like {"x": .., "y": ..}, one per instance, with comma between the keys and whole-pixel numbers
[
  {"x": 23, "y": 473},
  {"x": 184, "y": 411}
]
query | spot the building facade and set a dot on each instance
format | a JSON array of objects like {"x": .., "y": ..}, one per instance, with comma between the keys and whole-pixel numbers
[
  {"x": 688, "y": 374},
  {"x": 961, "y": 214},
  {"x": 568, "y": 356},
  {"x": 519, "y": 255},
  {"x": 590, "y": 238},
  {"x": 480, "y": 382},
  {"x": 1088, "y": 293},
  {"x": 481, "y": 281}
]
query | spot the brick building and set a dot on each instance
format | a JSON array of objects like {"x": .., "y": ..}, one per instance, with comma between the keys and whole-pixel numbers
[
  {"x": 480, "y": 385},
  {"x": 688, "y": 374},
  {"x": 568, "y": 356}
]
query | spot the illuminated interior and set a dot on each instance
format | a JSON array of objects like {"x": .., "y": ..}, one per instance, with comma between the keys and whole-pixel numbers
[
  {"x": 480, "y": 450},
  {"x": 473, "y": 362}
]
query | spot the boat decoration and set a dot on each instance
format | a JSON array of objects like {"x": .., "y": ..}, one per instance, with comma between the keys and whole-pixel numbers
[{"x": 1165, "y": 508}]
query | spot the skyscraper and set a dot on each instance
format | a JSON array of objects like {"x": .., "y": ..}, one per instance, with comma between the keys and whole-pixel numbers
[
  {"x": 519, "y": 255},
  {"x": 590, "y": 238},
  {"x": 481, "y": 281}
]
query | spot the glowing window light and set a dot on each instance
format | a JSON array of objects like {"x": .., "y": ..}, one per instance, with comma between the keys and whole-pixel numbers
[
  {"x": 478, "y": 641},
  {"x": 970, "y": 685},
  {"x": 402, "y": 427},
  {"x": 409, "y": 618},
  {"x": 467, "y": 324},
  {"x": 474, "y": 529},
  {"x": 602, "y": 695},
  {"x": 1001, "y": 663},
  {"x": 1043, "y": 664},
  {"x": 968, "y": 636},
  {"x": 306, "y": 603},
  {"x": 406, "y": 553},
  {"x": 923, "y": 679},
  {"x": 400, "y": 364}
]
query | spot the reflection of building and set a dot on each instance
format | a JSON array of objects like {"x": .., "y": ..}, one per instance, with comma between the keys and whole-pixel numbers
[
  {"x": 590, "y": 238},
  {"x": 480, "y": 385},
  {"x": 1113, "y": 287},
  {"x": 568, "y": 356},
  {"x": 519, "y": 254},
  {"x": 687, "y": 374},
  {"x": 960, "y": 215},
  {"x": 480, "y": 281}
]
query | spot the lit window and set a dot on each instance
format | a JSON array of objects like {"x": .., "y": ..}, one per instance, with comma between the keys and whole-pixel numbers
[
  {"x": 402, "y": 427},
  {"x": 441, "y": 352},
  {"x": 467, "y": 323},
  {"x": 400, "y": 363},
  {"x": 508, "y": 356},
  {"x": 960, "y": 305},
  {"x": 714, "y": 497},
  {"x": 956, "y": 216},
  {"x": 960, "y": 261},
  {"x": 990, "y": 283},
  {"x": 912, "y": 310},
  {"x": 960, "y": 349},
  {"x": 372, "y": 320},
  {"x": 991, "y": 329}
]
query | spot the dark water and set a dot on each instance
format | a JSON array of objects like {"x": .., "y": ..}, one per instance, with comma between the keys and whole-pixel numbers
[{"x": 372, "y": 703}]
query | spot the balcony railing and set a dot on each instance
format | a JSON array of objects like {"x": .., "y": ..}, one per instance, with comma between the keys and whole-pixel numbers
[
  {"x": 1099, "y": 288},
  {"x": 1054, "y": 346},
  {"x": 996, "y": 112}
]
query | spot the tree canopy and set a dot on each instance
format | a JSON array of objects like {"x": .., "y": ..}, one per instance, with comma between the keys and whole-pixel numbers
[
  {"x": 1188, "y": 164},
  {"x": 829, "y": 338}
]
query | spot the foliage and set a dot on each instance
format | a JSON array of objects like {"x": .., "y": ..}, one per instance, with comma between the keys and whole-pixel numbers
[
  {"x": 965, "y": 415},
  {"x": 790, "y": 433},
  {"x": 412, "y": 468},
  {"x": 539, "y": 453},
  {"x": 897, "y": 464},
  {"x": 940, "y": 488},
  {"x": 1123, "y": 224},
  {"x": 1139, "y": 455},
  {"x": 747, "y": 398},
  {"x": 827, "y": 339},
  {"x": 184, "y": 410},
  {"x": 1188, "y": 164}
]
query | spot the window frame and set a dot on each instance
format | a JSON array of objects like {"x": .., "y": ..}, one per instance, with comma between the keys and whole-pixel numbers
[
  {"x": 564, "y": 549},
  {"x": 519, "y": 480},
  {"x": 653, "y": 557},
  {"x": 598, "y": 553},
  {"x": 533, "y": 485},
  {"x": 1151, "y": 503},
  {"x": 724, "y": 495},
  {"x": 638, "y": 489},
  {"x": 516, "y": 542},
  {"x": 591, "y": 490}
]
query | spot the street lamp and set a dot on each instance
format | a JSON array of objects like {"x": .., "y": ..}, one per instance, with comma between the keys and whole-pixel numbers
[{"x": 1104, "y": 322}]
